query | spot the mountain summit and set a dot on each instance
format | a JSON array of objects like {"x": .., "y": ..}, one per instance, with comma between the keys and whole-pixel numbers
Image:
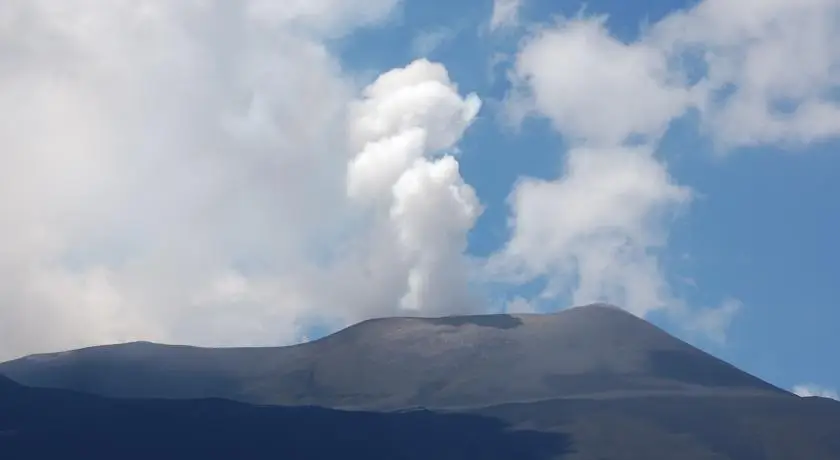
[{"x": 591, "y": 352}]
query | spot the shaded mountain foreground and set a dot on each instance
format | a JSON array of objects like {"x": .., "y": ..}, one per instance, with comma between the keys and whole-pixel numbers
[
  {"x": 51, "y": 424},
  {"x": 588, "y": 383}
]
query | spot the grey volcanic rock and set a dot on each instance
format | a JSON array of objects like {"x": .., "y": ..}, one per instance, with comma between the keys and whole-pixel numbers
[{"x": 592, "y": 352}]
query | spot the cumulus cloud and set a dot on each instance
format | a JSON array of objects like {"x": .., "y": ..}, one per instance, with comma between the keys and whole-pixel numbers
[
  {"x": 203, "y": 172},
  {"x": 756, "y": 72},
  {"x": 769, "y": 70},
  {"x": 594, "y": 232},
  {"x": 808, "y": 390},
  {"x": 594, "y": 88}
]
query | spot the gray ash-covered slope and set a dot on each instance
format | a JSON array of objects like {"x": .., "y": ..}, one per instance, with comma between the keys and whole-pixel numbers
[
  {"x": 595, "y": 351},
  {"x": 684, "y": 428}
]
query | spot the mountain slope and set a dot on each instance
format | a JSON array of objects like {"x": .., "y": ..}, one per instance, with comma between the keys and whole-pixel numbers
[
  {"x": 595, "y": 351},
  {"x": 677, "y": 427},
  {"x": 47, "y": 423},
  {"x": 589, "y": 383}
]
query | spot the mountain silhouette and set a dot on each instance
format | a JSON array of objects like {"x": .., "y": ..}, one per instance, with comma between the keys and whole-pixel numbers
[{"x": 595, "y": 351}]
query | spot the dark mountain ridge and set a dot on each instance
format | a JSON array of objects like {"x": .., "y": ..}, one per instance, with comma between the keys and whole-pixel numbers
[
  {"x": 596, "y": 351},
  {"x": 38, "y": 423}
]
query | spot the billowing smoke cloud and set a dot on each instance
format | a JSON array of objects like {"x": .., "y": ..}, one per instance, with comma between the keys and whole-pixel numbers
[
  {"x": 180, "y": 172},
  {"x": 407, "y": 116}
]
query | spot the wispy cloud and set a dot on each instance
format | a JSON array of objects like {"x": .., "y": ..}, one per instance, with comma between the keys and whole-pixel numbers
[
  {"x": 505, "y": 13},
  {"x": 426, "y": 43},
  {"x": 807, "y": 390}
]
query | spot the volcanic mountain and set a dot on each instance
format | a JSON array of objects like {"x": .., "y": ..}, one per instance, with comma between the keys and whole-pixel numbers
[
  {"x": 595, "y": 351},
  {"x": 589, "y": 383}
]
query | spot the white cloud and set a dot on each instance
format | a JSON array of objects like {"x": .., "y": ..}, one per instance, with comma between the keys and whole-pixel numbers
[
  {"x": 594, "y": 88},
  {"x": 759, "y": 72},
  {"x": 596, "y": 233},
  {"x": 505, "y": 13},
  {"x": 772, "y": 68},
  {"x": 178, "y": 171},
  {"x": 808, "y": 390},
  {"x": 596, "y": 230}
]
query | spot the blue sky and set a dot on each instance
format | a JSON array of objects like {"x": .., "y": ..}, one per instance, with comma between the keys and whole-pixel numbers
[
  {"x": 258, "y": 173},
  {"x": 765, "y": 230}
]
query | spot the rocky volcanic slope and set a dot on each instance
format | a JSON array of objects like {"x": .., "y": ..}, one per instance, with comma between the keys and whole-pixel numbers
[
  {"x": 37, "y": 423},
  {"x": 589, "y": 383},
  {"x": 595, "y": 351}
]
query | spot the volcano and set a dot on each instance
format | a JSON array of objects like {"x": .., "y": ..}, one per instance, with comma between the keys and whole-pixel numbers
[
  {"x": 588, "y": 383},
  {"x": 596, "y": 351}
]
